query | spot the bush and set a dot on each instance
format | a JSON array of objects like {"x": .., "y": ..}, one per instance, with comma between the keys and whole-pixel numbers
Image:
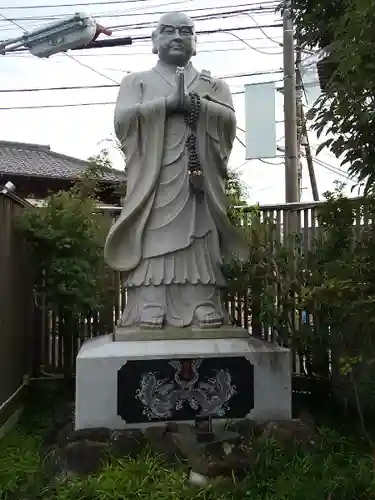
[
  {"x": 340, "y": 295},
  {"x": 332, "y": 283},
  {"x": 270, "y": 278},
  {"x": 66, "y": 236}
]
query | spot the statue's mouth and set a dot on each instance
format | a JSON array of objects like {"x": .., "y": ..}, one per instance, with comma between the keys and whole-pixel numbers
[{"x": 177, "y": 47}]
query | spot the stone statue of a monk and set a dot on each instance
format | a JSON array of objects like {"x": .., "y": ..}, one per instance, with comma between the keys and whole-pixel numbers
[{"x": 173, "y": 230}]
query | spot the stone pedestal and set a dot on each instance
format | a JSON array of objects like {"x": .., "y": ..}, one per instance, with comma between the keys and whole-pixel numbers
[{"x": 138, "y": 379}]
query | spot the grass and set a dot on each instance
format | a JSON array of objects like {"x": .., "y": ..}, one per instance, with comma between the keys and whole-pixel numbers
[
  {"x": 313, "y": 476},
  {"x": 19, "y": 460},
  {"x": 20, "y": 454},
  {"x": 337, "y": 468}
]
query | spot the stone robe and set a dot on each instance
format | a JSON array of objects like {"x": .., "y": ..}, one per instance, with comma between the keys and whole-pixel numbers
[{"x": 165, "y": 234}]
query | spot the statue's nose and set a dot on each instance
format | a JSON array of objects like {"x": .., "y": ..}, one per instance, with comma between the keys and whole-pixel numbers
[{"x": 177, "y": 35}]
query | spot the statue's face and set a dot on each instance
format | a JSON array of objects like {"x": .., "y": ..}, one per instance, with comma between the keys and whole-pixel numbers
[{"x": 175, "y": 39}]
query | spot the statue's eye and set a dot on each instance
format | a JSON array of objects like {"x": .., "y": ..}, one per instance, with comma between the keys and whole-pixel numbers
[
  {"x": 169, "y": 30},
  {"x": 186, "y": 30}
]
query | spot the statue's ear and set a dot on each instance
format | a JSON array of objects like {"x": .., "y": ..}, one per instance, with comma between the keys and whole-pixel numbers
[
  {"x": 154, "y": 46},
  {"x": 195, "y": 46}
]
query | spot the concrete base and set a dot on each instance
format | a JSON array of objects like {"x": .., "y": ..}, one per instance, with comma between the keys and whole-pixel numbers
[
  {"x": 126, "y": 334},
  {"x": 102, "y": 393}
]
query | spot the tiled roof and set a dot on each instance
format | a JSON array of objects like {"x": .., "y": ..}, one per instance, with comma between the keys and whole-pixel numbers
[{"x": 39, "y": 161}]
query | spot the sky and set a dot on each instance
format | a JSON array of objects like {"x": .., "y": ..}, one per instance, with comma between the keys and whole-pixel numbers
[{"x": 77, "y": 125}]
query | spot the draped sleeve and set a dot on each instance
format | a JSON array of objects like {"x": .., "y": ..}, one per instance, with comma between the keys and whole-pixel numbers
[
  {"x": 220, "y": 121},
  {"x": 139, "y": 126},
  {"x": 216, "y": 134}
]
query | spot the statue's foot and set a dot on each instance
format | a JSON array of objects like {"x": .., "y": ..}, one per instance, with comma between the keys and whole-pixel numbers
[
  {"x": 208, "y": 317},
  {"x": 152, "y": 317}
]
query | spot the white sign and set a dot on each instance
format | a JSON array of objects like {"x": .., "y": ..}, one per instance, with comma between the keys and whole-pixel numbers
[{"x": 260, "y": 120}]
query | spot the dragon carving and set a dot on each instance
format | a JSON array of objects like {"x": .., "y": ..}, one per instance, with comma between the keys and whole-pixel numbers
[{"x": 161, "y": 397}]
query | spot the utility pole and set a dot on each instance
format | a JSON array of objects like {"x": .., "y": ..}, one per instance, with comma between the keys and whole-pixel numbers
[
  {"x": 309, "y": 159},
  {"x": 302, "y": 133},
  {"x": 299, "y": 101},
  {"x": 290, "y": 109}
]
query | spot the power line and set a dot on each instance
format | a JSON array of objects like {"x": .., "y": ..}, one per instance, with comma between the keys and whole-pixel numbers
[
  {"x": 146, "y": 44},
  {"x": 332, "y": 169},
  {"x": 88, "y": 4},
  {"x": 252, "y": 47},
  {"x": 52, "y": 106},
  {"x": 73, "y": 105},
  {"x": 150, "y": 24},
  {"x": 270, "y": 162},
  {"x": 133, "y": 12},
  {"x": 224, "y": 30},
  {"x": 201, "y": 32},
  {"x": 33, "y": 24},
  {"x": 105, "y": 14},
  {"x": 202, "y": 17},
  {"x": 17, "y": 7},
  {"x": 242, "y": 9},
  {"x": 90, "y": 68},
  {"x": 7, "y": 20},
  {"x": 222, "y": 41},
  {"x": 115, "y": 85},
  {"x": 264, "y": 33},
  {"x": 323, "y": 164},
  {"x": 148, "y": 53},
  {"x": 240, "y": 141},
  {"x": 73, "y": 87}
]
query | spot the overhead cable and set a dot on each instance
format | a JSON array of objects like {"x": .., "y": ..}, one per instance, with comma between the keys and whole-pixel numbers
[
  {"x": 89, "y": 4},
  {"x": 201, "y": 32},
  {"x": 254, "y": 48},
  {"x": 262, "y": 30},
  {"x": 136, "y": 12},
  {"x": 115, "y": 85},
  {"x": 144, "y": 53},
  {"x": 73, "y": 105}
]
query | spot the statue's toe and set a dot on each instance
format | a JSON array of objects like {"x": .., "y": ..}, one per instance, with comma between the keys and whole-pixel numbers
[
  {"x": 152, "y": 316},
  {"x": 208, "y": 317}
]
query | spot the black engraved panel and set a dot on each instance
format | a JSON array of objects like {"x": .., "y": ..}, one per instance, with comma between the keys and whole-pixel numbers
[{"x": 183, "y": 389}]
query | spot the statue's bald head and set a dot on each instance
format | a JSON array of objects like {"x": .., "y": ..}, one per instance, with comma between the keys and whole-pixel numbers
[
  {"x": 174, "y": 38},
  {"x": 174, "y": 19}
]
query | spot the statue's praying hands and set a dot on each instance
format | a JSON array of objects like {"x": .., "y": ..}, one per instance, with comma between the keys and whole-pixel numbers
[{"x": 179, "y": 100}]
